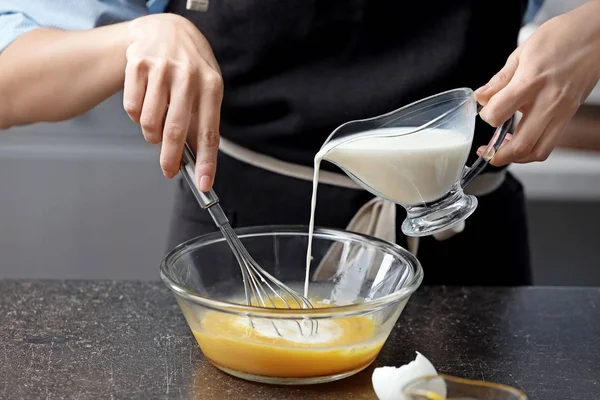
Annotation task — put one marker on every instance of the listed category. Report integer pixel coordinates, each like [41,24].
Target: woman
[292,72]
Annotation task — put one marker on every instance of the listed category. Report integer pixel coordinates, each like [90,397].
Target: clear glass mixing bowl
[360,285]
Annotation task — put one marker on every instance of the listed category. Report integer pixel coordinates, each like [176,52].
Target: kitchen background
[85,198]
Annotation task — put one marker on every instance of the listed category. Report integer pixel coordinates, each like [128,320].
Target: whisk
[260,287]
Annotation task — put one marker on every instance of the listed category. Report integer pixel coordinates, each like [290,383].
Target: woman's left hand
[547,78]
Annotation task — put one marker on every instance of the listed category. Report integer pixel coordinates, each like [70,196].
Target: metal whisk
[260,287]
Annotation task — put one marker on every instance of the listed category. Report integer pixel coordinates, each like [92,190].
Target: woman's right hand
[171,81]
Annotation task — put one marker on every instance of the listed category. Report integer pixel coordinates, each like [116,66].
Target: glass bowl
[358,284]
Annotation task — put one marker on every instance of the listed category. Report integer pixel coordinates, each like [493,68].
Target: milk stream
[409,169]
[311,224]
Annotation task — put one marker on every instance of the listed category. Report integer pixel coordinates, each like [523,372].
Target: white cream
[329,331]
[409,169]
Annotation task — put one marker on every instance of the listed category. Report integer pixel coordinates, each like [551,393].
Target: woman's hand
[547,78]
[172,80]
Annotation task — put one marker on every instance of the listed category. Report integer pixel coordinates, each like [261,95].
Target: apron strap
[283,167]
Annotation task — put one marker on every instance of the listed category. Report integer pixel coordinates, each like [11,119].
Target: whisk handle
[207,200]
[188,166]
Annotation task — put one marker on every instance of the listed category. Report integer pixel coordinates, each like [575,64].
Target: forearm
[52,75]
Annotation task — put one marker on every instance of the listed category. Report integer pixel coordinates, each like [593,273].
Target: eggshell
[388,382]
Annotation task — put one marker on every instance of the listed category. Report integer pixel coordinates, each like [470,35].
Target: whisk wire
[259,285]
[300,301]
[254,271]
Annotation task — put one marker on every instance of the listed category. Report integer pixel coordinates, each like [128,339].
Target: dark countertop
[128,340]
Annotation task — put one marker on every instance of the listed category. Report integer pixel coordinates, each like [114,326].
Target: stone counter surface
[128,340]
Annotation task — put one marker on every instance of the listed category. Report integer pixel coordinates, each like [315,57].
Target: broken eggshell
[388,382]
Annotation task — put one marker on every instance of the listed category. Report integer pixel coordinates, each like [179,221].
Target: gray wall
[86,199]
[82,199]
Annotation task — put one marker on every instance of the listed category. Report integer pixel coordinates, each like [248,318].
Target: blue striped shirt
[21,16]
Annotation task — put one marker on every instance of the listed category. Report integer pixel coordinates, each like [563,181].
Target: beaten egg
[254,347]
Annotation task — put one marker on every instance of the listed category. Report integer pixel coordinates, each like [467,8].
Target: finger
[498,81]
[134,89]
[506,103]
[482,149]
[177,124]
[548,139]
[211,95]
[541,145]
[526,135]
[155,105]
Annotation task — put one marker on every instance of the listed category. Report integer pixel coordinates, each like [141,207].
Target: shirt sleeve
[13,25]
[21,16]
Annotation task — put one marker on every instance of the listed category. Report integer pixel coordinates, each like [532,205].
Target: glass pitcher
[416,157]
[443,387]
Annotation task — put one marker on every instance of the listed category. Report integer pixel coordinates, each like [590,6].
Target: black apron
[294,70]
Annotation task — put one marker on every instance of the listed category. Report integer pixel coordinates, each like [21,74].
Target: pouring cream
[407,167]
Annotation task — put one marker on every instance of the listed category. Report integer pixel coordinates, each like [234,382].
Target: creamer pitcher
[415,157]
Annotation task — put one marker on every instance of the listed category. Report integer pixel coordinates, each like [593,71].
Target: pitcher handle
[489,152]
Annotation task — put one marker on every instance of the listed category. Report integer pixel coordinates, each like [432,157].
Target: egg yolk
[282,348]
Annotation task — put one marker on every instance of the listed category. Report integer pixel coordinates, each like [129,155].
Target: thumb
[500,80]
